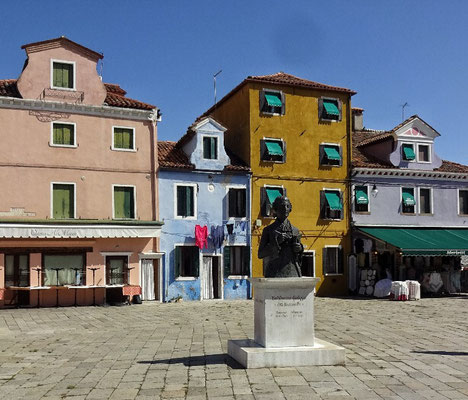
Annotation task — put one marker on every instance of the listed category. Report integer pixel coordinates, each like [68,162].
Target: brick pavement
[395,350]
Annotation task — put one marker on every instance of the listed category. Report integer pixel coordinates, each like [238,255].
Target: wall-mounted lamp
[374,190]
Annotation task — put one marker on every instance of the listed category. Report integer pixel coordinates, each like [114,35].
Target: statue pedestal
[284,327]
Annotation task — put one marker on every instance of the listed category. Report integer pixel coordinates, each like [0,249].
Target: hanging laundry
[217,236]
[201,235]
[230,228]
[243,225]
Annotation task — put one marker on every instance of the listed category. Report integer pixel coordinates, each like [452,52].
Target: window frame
[415,199]
[368,199]
[52,144]
[402,153]
[263,150]
[428,153]
[195,196]
[263,102]
[187,278]
[132,150]
[108,256]
[264,197]
[340,250]
[321,109]
[248,254]
[52,199]
[16,271]
[460,214]
[228,188]
[73,63]
[203,146]
[322,212]
[431,200]
[310,253]
[69,253]
[115,185]
[322,156]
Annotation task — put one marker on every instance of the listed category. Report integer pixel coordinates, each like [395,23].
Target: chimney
[358,123]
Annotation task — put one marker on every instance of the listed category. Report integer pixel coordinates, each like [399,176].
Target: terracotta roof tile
[449,166]
[8,88]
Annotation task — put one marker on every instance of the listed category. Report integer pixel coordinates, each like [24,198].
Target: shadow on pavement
[212,359]
[442,353]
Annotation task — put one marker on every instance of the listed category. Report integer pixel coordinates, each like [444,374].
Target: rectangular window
[123,138]
[63,75]
[331,204]
[63,134]
[463,202]
[186,263]
[273,150]
[16,270]
[185,201]
[423,153]
[408,203]
[237,203]
[272,102]
[268,194]
[332,261]
[330,154]
[308,261]
[63,200]
[236,260]
[329,109]
[425,201]
[117,270]
[408,152]
[64,269]
[124,202]
[361,199]
[210,148]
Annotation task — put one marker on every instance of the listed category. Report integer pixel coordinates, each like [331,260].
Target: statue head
[282,207]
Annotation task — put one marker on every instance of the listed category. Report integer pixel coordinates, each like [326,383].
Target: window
[117,270]
[272,102]
[237,203]
[268,194]
[63,134]
[329,109]
[424,153]
[123,138]
[185,201]
[330,154]
[408,203]
[307,265]
[332,261]
[186,263]
[210,147]
[63,200]
[124,202]
[463,202]
[16,270]
[273,150]
[331,204]
[63,75]
[64,269]
[236,260]
[408,152]
[361,199]
[425,201]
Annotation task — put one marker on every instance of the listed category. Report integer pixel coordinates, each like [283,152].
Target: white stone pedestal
[284,327]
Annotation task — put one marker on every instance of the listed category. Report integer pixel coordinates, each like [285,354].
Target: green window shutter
[213,149]
[64,134]
[58,134]
[68,135]
[331,108]
[332,153]
[361,195]
[63,201]
[190,205]
[177,260]
[273,99]
[57,75]
[333,200]
[408,152]
[123,138]
[181,201]
[408,197]
[124,202]
[206,148]
[272,194]
[227,261]
[62,75]
[274,148]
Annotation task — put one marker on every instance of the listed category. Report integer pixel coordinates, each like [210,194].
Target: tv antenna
[214,83]
[403,111]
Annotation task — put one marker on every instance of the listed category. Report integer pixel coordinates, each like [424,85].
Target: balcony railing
[72,96]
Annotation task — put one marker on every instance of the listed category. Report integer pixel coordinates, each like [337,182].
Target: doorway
[210,278]
[150,279]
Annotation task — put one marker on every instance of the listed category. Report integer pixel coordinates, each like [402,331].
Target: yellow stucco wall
[301,174]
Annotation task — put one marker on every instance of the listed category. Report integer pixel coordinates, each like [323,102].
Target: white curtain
[147,279]
[66,274]
[207,278]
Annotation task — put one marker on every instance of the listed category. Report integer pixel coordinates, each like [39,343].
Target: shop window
[185,201]
[463,202]
[117,270]
[272,102]
[273,150]
[237,203]
[330,155]
[424,154]
[17,270]
[123,138]
[331,204]
[63,200]
[425,201]
[332,261]
[63,76]
[329,109]
[308,263]
[407,152]
[210,147]
[361,199]
[408,203]
[124,202]
[64,269]
[186,263]
[236,260]
[268,194]
[63,134]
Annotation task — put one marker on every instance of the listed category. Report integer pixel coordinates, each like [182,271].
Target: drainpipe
[154,119]
[348,180]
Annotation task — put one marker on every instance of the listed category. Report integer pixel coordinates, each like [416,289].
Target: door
[149,279]
[210,285]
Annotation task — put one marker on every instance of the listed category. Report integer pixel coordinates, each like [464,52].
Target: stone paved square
[395,350]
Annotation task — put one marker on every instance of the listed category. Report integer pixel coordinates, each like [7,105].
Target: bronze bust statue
[280,245]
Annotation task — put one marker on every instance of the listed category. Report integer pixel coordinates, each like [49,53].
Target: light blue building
[201,185]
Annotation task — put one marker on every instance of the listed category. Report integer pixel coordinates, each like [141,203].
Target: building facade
[204,195]
[78,218]
[294,134]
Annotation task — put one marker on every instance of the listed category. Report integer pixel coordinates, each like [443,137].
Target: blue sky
[166,52]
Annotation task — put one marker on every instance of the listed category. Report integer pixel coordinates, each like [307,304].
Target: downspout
[348,182]
[154,119]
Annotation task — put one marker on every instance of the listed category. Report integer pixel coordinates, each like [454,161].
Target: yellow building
[295,136]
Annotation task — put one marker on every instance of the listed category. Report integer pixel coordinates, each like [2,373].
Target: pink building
[78,161]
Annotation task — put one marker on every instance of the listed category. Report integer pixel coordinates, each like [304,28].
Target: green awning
[272,194]
[332,153]
[408,152]
[333,199]
[423,241]
[408,199]
[274,148]
[331,108]
[361,196]
[273,99]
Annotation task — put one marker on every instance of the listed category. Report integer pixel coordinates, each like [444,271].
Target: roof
[115,95]
[61,40]
[172,156]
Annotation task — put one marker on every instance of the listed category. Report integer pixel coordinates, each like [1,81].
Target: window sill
[271,114]
[337,274]
[235,219]
[238,277]
[126,150]
[193,218]
[332,219]
[69,146]
[362,212]
[330,165]
[124,219]
[273,162]
[408,214]
[427,214]
[463,215]
[62,88]
[330,120]
[186,278]
[210,159]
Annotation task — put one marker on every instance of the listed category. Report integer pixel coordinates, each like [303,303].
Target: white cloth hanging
[147,279]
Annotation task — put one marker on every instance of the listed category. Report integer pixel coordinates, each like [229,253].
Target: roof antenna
[214,82]
[403,111]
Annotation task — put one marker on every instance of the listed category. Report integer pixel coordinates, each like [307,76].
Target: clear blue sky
[166,52]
